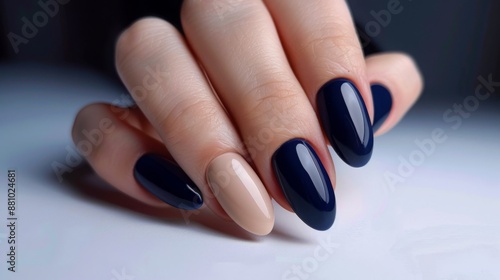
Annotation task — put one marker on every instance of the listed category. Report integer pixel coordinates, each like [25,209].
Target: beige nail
[241,193]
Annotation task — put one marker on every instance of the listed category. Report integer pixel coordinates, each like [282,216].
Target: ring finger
[169,87]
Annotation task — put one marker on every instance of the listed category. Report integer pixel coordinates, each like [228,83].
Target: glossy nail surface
[382,104]
[305,183]
[346,122]
[241,193]
[167,181]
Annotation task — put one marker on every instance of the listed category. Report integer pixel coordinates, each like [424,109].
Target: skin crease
[264,69]
[326,49]
[256,97]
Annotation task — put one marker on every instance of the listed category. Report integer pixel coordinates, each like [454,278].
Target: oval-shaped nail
[241,193]
[305,183]
[167,181]
[345,121]
[382,104]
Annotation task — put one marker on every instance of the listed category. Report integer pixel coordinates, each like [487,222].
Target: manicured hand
[241,109]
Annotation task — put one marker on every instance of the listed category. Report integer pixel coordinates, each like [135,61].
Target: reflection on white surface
[441,222]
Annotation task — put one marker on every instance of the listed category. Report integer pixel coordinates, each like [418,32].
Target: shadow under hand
[84,182]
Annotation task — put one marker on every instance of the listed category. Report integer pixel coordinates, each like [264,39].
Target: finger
[118,152]
[238,45]
[325,53]
[396,85]
[134,117]
[167,84]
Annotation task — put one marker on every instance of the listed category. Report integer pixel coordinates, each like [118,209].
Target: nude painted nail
[241,193]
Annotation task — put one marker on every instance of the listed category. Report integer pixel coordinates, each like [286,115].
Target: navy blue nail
[305,183]
[167,181]
[345,121]
[382,104]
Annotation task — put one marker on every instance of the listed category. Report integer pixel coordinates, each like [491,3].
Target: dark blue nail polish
[346,122]
[167,181]
[305,183]
[382,104]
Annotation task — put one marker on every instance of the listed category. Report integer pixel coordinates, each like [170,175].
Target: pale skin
[219,86]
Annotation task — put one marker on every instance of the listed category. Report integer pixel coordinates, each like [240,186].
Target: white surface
[442,222]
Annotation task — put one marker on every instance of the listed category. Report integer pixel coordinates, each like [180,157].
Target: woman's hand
[245,104]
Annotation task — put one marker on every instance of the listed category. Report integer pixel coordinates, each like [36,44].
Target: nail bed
[345,121]
[305,183]
[167,181]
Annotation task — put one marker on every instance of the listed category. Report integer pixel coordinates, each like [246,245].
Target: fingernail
[382,103]
[167,181]
[241,193]
[305,183]
[346,122]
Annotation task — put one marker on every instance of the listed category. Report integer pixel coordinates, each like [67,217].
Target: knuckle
[269,100]
[337,50]
[142,38]
[334,47]
[270,94]
[196,11]
[332,31]
[188,117]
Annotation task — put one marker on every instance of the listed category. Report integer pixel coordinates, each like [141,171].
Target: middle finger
[239,47]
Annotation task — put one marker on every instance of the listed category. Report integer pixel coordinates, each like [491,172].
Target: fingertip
[396,85]
[382,104]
